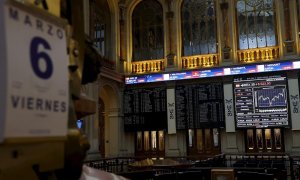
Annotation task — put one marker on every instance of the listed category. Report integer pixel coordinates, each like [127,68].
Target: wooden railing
[200,61]
[259,54]
[149,66]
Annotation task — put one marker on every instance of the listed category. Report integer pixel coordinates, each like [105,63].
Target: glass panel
[198,27]
[199,140]
[153,140]
[208,139]
[146,141]
[161,140]
[191,137]
[250,140]
[277,136]
[270,29]
[251,30]
[216,137]
[256,23]
[147,31]
[268,138]
[139,141]
[259,139]
[261,38]
[99,35]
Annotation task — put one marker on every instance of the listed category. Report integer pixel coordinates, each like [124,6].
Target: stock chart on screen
[261,101]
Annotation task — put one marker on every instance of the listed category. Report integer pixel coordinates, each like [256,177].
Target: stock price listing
[261,102]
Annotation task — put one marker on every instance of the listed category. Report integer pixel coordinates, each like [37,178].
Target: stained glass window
[198,19]
[147,31]
[256,23]
[99,37]
[99,23]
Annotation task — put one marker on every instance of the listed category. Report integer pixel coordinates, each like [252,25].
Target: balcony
[149,66]
[259,54]
[200,61]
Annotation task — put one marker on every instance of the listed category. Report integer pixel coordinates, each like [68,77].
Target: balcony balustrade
[200,61]
[149,66]
[259,54]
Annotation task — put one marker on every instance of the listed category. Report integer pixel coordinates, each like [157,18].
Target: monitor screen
[261,101]
[145,109]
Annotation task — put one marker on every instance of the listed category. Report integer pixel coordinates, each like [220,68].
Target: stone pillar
[113,130]
[229,142]
[170,19]
[226,47]
[289,42]
[172,148]
[229,137]
[91,92]
[294,112]
[123,54]
[86,7]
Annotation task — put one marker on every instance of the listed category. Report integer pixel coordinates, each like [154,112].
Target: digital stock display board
[214,72]
[261,101]
[199,106]
[145,109]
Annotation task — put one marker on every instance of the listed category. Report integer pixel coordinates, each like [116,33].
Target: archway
[108,121]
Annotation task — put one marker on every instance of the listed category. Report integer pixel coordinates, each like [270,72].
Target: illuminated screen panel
[261,101]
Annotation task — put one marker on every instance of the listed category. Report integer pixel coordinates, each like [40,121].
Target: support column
[113,132]
[91,122]
[172,148]
[229,137]
[170,19]
[226,44]
[123,53]
[289,42]
[293,84]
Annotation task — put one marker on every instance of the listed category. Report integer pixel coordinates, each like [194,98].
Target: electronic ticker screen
[261,101]
[145,109]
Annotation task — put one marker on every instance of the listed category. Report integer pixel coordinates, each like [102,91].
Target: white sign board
[171,111]
[229,109]
[294,103]
[35,88]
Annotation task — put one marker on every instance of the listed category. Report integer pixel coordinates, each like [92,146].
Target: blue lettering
[50,30]
[39,104]
[27,21]
[15,101]
[63,106]
[59,33]
[39,24]
[55,106]
[48,104]
[36,56]
[13,14]
[30,103]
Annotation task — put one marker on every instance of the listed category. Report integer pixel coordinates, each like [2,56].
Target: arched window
[147,31]
[256,23]
[100,25]
[198,19]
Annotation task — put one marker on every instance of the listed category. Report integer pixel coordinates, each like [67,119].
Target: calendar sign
[34,74]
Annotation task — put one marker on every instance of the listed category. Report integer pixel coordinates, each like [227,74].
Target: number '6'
[36,56]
